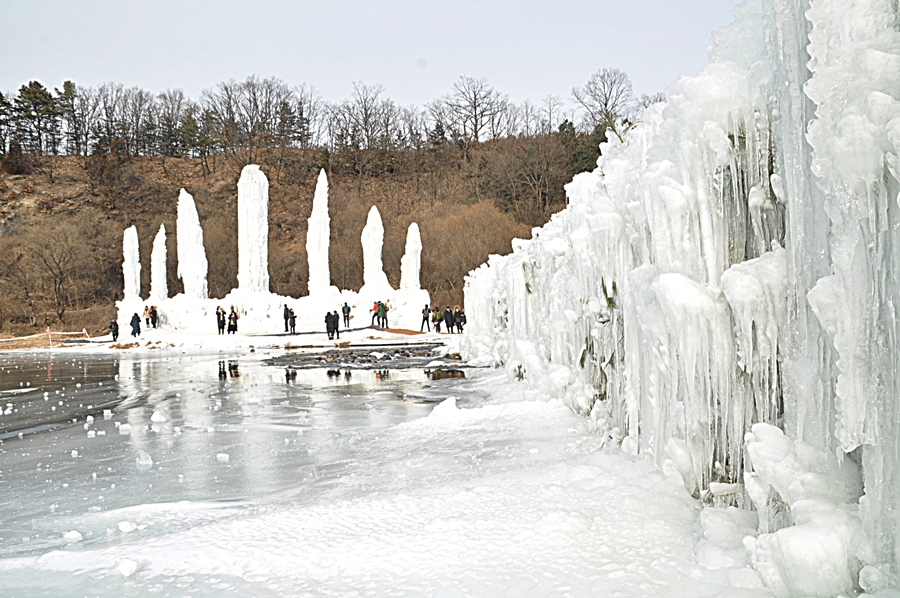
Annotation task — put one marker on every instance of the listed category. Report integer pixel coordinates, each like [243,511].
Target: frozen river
[212,475]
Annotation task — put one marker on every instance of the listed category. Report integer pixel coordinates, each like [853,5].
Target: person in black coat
[448,319]
[328,325]
[114,328]
[220,319]
[232,322]
[287,317]
[135,325]
[336,323]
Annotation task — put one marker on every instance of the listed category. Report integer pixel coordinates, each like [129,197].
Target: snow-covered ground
[258,484]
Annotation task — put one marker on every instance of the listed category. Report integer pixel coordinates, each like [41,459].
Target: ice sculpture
[253,230]
[159,288]
[720,270]
[375,282]
[411,261]
[192,265]
[131,266]
[317,239]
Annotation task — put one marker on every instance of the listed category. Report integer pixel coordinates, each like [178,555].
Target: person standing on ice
[287,316]
[147,315]
[220,319]
[448,319]
[135,325]
[232,321]
[346,311]
[328,325]
[436,318]
[374,312]
[380,314]
[292,318]
[114,329]
[426,315]
[336,322]
[154,316]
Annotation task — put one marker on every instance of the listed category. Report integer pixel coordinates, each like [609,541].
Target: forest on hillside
[78,165]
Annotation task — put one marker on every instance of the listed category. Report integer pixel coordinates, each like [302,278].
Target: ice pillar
[411,262]
[253,230]
[317,239]
[192,263]
[131,267]
[159,288]
[375,282]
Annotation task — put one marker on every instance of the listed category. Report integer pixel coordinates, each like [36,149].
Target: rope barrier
[48,333]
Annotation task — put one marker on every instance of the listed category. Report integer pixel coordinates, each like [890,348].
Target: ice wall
[732,265]
[317,239]
[159,288]
[253,231]
[192,265]
[131,266]
[411,262]
[375,282]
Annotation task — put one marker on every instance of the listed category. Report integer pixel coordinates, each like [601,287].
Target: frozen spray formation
[317,239]
[192,263]
[259,308]
[375,282]
[159,288]
[131,266]
[411,262]
[253,230]
[719,293]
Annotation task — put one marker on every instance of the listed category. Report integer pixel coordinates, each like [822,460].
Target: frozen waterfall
[411,262]
[192,265]
[317,239]
[159,288]
[253,230]
[131,266]
[375,282]
[720,292]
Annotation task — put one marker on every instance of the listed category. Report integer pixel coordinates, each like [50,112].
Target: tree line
[244,117]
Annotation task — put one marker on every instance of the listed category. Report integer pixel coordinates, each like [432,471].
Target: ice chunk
[222,457]
[157,417]
[143,460]
[126,527]
[128,567]
[72,536]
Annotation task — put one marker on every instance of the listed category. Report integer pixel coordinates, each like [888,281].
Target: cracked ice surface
[263,485]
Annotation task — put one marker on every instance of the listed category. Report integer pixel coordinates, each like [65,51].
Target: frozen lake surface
[231,476]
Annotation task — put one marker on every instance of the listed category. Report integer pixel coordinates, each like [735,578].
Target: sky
[415,49]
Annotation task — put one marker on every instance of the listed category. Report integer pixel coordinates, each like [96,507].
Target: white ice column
[375,282]
[253,230]
[317,239]
[131,267]
[192,263]
[159,288]
[411,262]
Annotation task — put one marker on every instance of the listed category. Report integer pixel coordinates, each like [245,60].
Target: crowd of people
[453,320]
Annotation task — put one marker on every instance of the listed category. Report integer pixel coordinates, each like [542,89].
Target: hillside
[63,217]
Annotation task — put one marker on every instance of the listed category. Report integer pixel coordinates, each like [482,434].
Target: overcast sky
[415,49]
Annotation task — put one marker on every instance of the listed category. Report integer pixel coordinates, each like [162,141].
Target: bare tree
[644,102]
[471,111]
[608,99]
